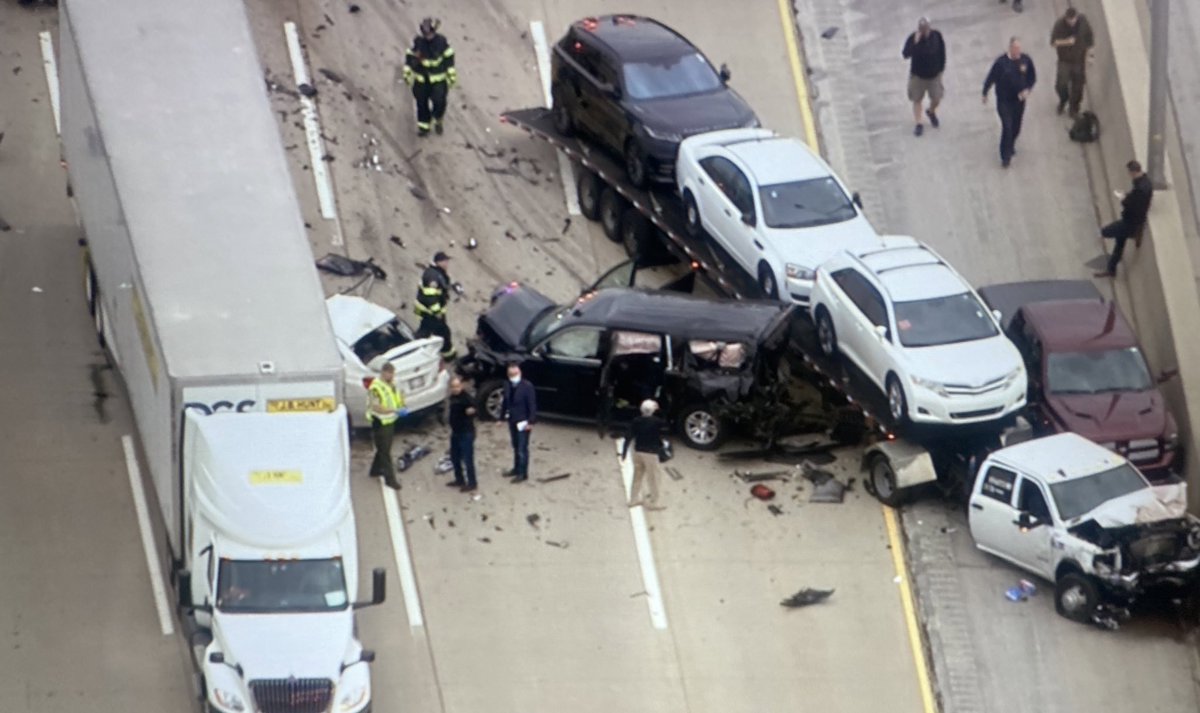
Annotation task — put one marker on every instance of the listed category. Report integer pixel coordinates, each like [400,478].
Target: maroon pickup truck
[1086,370]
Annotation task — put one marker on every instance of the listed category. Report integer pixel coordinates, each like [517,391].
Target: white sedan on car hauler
[771,203]
[916,328]
[369,336]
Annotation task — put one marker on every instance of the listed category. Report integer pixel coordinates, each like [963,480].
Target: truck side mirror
[881,331]
[367,656]
[998,315]
[857,200]
[1026,521]
[724,73]
[378,588]
[218,657]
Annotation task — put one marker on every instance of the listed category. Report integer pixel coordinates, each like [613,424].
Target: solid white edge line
[408,579]
[641,540]
[312,133]
[566,170]
[51,69]
[143,519]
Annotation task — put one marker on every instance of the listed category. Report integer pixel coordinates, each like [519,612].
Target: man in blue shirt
[520,410]
[1013,75]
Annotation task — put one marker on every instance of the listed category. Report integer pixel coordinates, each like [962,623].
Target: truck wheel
[897,401]
[589,188]
[1076,597]
[826,335]
[612,210]
[636,234]
[881,481]
[635,164]
[491,398]
[701,428]
[691,215]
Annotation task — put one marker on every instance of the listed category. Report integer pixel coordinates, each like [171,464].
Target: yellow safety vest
[389,398]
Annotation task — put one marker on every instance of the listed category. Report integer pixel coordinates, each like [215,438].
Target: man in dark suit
[1135,206]
[520,410]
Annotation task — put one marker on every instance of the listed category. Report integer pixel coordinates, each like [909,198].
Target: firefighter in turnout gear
[429,70]
[433,294]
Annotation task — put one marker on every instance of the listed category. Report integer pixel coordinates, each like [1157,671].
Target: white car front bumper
[927,406]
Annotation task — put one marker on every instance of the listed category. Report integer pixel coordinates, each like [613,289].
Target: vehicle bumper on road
[926,406]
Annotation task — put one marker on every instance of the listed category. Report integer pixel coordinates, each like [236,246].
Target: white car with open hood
[917,329]
[772,204]
[369,336]
[1074,513]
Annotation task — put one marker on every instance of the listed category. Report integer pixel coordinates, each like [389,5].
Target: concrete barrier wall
[1156,287]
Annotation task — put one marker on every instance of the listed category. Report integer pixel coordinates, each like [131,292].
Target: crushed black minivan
[598,357]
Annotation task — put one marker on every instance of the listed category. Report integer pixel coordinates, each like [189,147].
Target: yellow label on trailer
[276,477]
[320,403]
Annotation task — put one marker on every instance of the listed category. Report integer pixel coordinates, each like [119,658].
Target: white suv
[916,328]
[771,203]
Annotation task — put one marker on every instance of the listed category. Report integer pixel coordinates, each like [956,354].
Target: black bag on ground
[665,453]
[1086,128]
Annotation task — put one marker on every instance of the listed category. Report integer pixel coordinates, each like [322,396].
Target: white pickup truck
[1082,517]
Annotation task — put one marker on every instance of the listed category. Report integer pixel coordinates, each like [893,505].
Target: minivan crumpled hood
[286,645]
[971,364]
[695,113]
[510,315]
[1115,416]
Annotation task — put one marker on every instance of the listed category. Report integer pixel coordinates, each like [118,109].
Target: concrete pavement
[1035,220]
[78,621]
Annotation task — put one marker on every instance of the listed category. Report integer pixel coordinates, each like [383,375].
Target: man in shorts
[926,51]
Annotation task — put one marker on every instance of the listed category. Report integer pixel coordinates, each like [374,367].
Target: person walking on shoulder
[1135,206]
[520,410]
[386,406]
[926,51]
[646,434]
[1013,75]
[429,70]
[1072,38]
[462,436]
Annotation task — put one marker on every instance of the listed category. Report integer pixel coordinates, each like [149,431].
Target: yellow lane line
[798,75]
[910,610]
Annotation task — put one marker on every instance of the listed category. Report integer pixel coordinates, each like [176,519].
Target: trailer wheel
[612,210]
[881,481]
[637,234]
[701,428]
[635,164]
[691,213]
[491,397]
[589,188]
[1076,597]
[826,335]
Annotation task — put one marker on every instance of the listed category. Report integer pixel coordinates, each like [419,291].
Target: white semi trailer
[201,281]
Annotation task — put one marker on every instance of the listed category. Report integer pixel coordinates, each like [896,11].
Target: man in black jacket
[429,70]
[1135,206]
[462,436]
[646,435]
[520,410]
[1014,76]
[927,51]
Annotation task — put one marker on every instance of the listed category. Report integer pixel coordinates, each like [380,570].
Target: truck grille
[292,695]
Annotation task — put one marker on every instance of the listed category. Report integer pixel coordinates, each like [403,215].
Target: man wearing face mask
[520,410]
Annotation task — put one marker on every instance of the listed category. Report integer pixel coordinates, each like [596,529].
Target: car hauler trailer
[200,280]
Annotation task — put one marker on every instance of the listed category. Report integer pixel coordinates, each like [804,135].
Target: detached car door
[566,372]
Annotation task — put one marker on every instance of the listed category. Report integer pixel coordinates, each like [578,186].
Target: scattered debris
[4,226]
[510,235]
[444,465]
[752,477]
[353,9]
[484,540]
[472,244]
[349,267]
[806,596]
[307,90]
[327,158]
[17,69]
[566,226]
[828,491]
[331,75]
[450,523]
[552,478]
[829,33]
[429,519]
[949,530]
[410,456]
[562,545]
[418,193]
[533,518]
[762,492]
[36,289]
[395,240]
[775,510]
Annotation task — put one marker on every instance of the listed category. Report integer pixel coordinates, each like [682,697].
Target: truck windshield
[248,586]
[1079,496]
[943,320]
[1097,372]
[805,204]
[674,77]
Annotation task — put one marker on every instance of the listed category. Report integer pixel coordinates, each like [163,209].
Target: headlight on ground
[662,135]
[352,699]
[228,699]
[935,386]
[799,272]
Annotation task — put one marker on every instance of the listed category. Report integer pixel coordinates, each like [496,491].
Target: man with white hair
[646,433]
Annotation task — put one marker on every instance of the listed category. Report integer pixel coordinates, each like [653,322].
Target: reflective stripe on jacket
[430,60]
[388,397]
